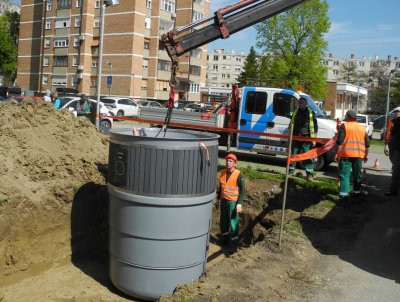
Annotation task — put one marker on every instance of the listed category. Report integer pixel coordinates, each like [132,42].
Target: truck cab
[269,110]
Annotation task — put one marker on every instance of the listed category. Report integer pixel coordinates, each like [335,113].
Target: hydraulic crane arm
[240,15]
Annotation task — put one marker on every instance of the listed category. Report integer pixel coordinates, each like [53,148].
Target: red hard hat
[231,156]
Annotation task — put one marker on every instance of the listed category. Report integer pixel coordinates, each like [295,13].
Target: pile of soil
[46,157]
[53,222]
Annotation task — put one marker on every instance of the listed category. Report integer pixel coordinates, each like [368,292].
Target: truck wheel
[106,124]
[120,113]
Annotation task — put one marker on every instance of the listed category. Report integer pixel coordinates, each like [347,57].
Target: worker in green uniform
[305,124]
[229,199]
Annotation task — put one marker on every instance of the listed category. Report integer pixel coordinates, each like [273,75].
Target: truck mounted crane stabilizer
[254,11]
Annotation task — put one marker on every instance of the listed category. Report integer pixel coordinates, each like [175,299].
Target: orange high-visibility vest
[354,141]
[388,129]
[229,187]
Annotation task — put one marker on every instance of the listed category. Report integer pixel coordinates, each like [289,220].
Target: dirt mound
[46,158]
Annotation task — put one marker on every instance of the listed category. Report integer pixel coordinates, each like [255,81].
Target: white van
[269,110]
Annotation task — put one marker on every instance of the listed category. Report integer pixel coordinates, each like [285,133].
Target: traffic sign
[109,81]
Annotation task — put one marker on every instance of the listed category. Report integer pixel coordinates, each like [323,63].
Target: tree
[9,28]
[249,74]
[294,39]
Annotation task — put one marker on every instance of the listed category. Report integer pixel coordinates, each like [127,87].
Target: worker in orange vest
[353,150]
[229,199]
[389,141]
[394,155]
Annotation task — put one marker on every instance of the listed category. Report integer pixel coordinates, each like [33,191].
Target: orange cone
[376,166]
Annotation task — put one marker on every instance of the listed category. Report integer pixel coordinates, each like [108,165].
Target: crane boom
[243,14]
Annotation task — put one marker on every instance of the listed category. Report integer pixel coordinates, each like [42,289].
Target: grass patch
[376,142]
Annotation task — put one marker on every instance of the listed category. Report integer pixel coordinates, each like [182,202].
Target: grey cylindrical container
[161,188]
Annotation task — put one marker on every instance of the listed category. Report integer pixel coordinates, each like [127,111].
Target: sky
[361,27]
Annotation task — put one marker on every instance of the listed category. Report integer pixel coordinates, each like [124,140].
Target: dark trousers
[395,181]
[302,147]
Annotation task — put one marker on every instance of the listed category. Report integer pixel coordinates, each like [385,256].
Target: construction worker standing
[305,124]
[353,150]
[395,157]
[389,140]
[230,197]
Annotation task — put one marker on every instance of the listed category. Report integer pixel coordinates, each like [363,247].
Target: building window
[49,5]
[97,4]
[61,42]
[78,3]
[46,42]
[238,59]
[63,23]
[94,63]
[215,67]
[78,21]
[75,60]
[215,58]
[194,88]
[145,64]
[61,61]
[223,76]
[213,77]
[46,60]
[93,83]
[361,63]
[325,62]
[45,79]
[148,4]
[162,85]
[164,65]
[97,22]
[168,5]
[335,63]
[63,4]
[77,41]
[335,72]
[48,24]
[147,23]
[196,16]
[194,70]
[59,80]
[237,68]
[146,45]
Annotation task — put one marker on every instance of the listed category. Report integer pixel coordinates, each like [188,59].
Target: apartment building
[223,68]
[59,47]
[364,64]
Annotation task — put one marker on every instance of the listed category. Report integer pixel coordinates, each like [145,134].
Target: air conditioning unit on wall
[80,67]
[80,75]
[173,16]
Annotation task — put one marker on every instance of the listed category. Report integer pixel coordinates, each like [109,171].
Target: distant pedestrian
[353,150]
[83,107]
[47,96]
[55,100]
[389,141]
[395,158]
[230,196]
[305,124]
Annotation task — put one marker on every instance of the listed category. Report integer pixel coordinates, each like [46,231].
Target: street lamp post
[100,61]
[388,96]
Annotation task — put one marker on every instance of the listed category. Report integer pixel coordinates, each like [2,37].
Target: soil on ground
[54,222]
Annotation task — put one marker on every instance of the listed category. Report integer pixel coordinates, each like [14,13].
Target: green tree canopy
[249,74]
[295,44]
[9,24]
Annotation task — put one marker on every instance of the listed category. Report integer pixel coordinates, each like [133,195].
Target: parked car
[9,91]
[120,106]
[197,107]
[106,121]
[150,104]
[367,123]
[66,91]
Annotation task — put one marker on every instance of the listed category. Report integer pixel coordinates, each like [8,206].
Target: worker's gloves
[386,150]
[239,208]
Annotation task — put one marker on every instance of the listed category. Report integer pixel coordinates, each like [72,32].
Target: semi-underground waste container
[161,188]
